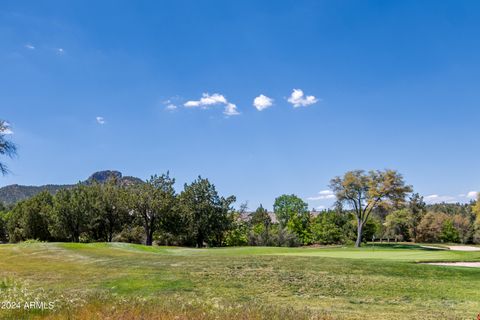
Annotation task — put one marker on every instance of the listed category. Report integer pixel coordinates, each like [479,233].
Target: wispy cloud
[207,101]
[435,198]
[322,195]
[299,99]
[60,51]
[171,107]
[30,46]
[100,120]
[262,102]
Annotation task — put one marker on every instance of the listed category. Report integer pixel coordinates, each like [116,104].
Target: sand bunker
[464,248]
[456,264]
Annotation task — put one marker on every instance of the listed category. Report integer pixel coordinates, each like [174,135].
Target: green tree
[72,212]
[366,191]
[111,209]
[31,218]
[326,230]
[292,213]
[260,216]
[207,215]
[397,224]
[152,202]
[417,208]
[7,148]
[464,227]
[3,223]
[449,233]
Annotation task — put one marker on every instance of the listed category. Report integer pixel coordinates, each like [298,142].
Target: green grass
[124,281]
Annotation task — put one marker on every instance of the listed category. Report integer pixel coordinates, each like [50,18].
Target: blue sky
[149,86]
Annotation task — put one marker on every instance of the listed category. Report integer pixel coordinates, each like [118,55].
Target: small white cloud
[262,102]
[100,120]
[298,99]
[472,194]
[29,46]
[171,107]
[231,110]
[207,100]
[320,208]
[323,195]
[215,99]
[6,129]
[60,51]
[435,198]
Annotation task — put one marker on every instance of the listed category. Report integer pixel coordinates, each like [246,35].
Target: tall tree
[72,211]
[111,205]
[366,191]
[207,214]
[418,209]
[260,216]
[31,218]
[7,148]
[151,203]
[292,212]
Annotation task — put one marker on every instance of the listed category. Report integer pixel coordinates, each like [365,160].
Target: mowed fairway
[124,281]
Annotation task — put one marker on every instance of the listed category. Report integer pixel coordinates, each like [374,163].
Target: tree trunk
[199,241]
[358,243]
[149,239]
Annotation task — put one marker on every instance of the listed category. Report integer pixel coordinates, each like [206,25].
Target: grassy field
[124,281]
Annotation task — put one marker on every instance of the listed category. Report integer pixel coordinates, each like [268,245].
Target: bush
[430,227]
[325,231]
[130,234]
[449,233]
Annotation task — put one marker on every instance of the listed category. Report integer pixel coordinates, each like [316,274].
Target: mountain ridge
[14,193]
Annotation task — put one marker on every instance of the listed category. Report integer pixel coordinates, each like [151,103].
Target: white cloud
[231,110]
[171,107]
[262,102]
[208,100]
[435,198]
[100,120]
[323,195]
[29,46]
[298,99]
[60,51]
[472,194]
[320,208]
[6,129]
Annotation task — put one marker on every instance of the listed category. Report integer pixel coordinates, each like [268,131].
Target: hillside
[14,193]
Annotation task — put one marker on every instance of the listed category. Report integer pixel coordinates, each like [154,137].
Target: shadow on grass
[399,246]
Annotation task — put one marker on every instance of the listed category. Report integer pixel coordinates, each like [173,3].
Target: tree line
[369,206]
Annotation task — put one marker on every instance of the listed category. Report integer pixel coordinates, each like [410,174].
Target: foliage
[151,203]
[328,227]
[397,224]
[417,208]
[7,148]
[430,227]
[30,219]
[366,191]
[207,215]
[449,233]
[292,213]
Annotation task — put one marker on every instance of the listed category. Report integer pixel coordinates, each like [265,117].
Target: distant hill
[14,193]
